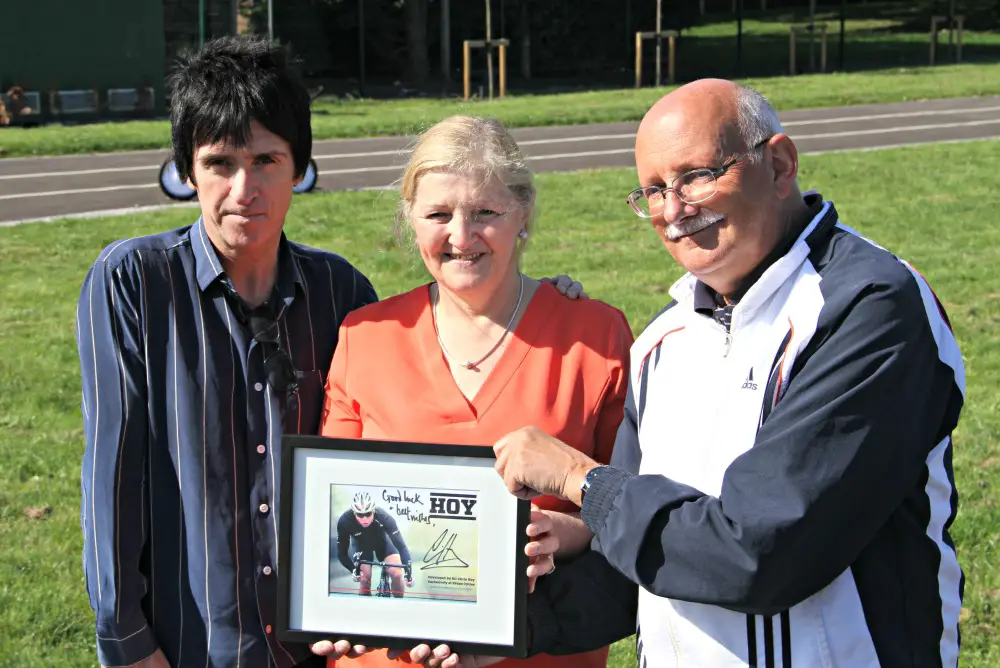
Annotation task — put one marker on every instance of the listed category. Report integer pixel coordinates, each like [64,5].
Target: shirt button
[267,570]
[261,449]
[258,387]
[263,508]
[267,629]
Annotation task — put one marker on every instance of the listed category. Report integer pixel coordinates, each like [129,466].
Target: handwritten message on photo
[404,542]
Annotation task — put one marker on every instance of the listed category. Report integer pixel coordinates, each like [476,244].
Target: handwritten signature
[442,554]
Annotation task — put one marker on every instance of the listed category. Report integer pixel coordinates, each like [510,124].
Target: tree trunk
[416,39]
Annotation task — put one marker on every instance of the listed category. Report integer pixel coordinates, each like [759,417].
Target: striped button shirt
[180,469]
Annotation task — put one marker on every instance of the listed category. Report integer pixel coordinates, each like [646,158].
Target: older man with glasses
[781,488]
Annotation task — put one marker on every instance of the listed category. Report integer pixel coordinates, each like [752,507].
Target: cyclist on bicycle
[367,533]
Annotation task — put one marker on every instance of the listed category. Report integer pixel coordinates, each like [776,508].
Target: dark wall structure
[389,48]
[50,45]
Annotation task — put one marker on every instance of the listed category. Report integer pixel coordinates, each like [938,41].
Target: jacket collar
[774,270]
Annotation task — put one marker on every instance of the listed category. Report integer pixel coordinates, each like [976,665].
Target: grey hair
[756,120]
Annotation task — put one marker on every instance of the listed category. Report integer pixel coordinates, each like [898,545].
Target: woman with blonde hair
[482,349]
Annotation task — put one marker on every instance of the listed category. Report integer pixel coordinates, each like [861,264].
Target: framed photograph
[392,544]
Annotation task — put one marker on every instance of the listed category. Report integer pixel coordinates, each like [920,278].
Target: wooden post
[466,76]
[670,63]
[671,36]
[503,68]
[792,43]
[489,45]
[638,59]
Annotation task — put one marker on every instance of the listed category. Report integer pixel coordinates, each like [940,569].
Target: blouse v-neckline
[439,373]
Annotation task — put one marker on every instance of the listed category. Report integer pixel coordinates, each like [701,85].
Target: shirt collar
[208,264]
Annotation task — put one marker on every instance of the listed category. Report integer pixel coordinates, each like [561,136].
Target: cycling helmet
[362,503]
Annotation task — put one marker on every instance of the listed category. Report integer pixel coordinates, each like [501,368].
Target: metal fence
[384,47]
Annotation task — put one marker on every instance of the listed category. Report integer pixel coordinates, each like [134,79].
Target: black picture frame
[291,444]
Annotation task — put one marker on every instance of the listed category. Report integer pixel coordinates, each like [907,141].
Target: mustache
[689,226]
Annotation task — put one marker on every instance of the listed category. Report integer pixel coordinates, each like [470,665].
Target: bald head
[705,98]
[735,116]
[719,147]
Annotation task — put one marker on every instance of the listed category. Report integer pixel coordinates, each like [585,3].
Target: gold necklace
[468,364]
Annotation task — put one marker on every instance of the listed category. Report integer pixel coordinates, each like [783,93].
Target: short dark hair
[217,91]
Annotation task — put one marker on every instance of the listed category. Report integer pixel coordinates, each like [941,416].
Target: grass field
[934,205]
[366,118]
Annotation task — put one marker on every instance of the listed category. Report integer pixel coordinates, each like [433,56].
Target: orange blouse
[565,371]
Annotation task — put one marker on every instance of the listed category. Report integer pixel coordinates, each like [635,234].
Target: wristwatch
[587,480]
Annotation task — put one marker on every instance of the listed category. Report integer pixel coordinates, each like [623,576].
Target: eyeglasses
[363,516]
[690,187]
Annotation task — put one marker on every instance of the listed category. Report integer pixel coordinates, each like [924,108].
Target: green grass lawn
[934,205]
[367,118]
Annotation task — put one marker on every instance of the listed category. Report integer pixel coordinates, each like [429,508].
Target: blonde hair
[471,146]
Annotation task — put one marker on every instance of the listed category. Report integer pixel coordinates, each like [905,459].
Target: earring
[523,234]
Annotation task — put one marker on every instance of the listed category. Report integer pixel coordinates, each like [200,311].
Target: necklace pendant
[470,365]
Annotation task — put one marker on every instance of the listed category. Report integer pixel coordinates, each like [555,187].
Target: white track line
[883,147]
[131,210]
[581,154]
[99,214]
[80,191]
[78,172]
[880,131]
[876,117]
[140,209]
[402,152]
[578,154]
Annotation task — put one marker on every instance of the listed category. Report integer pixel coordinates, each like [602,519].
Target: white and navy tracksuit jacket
[781,492]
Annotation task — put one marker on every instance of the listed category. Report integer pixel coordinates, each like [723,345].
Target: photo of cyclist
[366,533]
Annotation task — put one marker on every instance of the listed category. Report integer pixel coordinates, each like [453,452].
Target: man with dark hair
[199,347]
